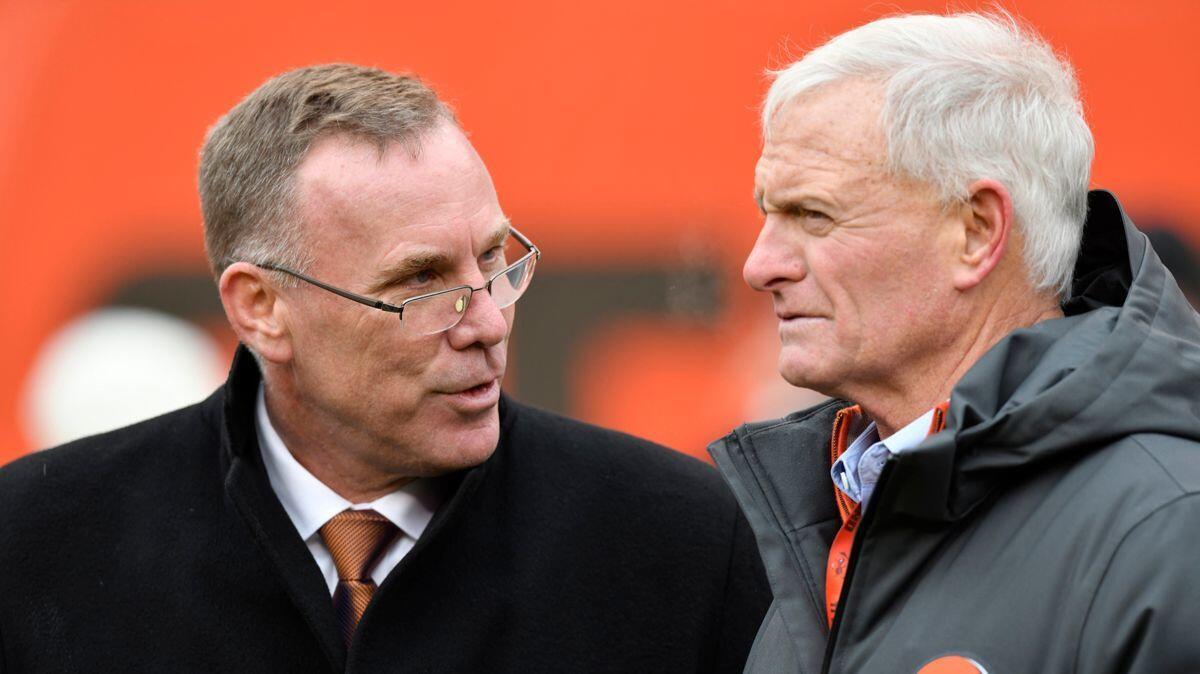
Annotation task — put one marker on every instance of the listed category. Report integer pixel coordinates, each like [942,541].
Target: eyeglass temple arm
[525,242]
[369,301]
[380,304]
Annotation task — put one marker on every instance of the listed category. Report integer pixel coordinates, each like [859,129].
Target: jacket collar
[238,438]
[779,474]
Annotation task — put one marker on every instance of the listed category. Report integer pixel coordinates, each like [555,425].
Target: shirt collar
[309,503]
[846,471]
[911,435]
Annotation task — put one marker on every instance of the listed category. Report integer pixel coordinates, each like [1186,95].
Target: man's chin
[468,453]
[803,374]
[467,443]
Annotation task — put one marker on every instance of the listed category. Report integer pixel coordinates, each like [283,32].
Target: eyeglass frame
[399,308]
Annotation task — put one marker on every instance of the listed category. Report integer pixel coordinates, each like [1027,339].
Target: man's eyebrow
[499,235]
[407,266]
[793,202]
[761,199]
[431,259]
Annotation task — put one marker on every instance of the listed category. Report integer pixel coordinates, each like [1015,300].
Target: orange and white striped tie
[356,539]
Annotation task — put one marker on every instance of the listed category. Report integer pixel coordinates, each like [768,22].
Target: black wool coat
[161,548]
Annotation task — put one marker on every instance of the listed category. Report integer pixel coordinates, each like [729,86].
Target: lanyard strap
[843,542]
[839,561]
[851,512]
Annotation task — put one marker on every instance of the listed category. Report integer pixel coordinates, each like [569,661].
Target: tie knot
[355,539]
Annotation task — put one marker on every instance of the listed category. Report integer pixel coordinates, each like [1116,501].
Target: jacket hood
[1124,360]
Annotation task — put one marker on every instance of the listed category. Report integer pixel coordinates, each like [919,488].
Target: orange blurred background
[621,136]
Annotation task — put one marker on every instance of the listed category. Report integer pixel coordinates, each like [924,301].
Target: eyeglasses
[441,310]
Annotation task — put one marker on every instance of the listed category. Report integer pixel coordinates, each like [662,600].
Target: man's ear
[987,222]
[256,311]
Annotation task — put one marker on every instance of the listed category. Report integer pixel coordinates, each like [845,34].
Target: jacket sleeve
[1145,611]
[747,596]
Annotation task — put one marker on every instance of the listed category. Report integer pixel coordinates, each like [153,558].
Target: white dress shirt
[310,504]
[857,470]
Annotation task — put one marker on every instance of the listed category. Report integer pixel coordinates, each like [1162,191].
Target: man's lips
[477,387]
[793,324]
[478,390]
[474,399]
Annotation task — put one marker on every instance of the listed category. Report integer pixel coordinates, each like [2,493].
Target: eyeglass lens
[430,315]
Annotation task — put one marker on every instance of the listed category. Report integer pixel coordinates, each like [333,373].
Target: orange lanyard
[839,552]
[839,561]
[851,512]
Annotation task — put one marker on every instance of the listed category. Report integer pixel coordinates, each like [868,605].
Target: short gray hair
[971,96]
[250,156]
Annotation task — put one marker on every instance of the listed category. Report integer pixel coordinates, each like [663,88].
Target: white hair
[971,96]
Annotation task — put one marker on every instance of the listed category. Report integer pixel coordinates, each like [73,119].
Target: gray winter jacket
[1053,526]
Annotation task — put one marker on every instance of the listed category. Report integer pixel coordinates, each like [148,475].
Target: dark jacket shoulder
[146,460]
[615,461]
[629,513]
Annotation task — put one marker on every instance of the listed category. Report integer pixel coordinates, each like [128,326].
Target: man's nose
[774,260]
[483,323]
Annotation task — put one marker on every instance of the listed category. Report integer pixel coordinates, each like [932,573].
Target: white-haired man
[1008,477]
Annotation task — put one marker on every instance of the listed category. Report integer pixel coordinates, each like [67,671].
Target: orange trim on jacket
[843,542]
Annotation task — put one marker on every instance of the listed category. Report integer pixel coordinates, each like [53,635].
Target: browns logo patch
[952,664]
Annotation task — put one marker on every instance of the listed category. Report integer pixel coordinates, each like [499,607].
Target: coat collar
[249,490]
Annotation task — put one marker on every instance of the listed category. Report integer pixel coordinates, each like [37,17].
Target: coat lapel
[255,502]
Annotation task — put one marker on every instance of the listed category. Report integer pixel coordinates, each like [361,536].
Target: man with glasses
[361,495]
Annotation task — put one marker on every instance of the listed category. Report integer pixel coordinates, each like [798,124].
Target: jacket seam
[1108,567]
[801,561]
[740,447]
[810,576]
[764,488]
[788,528]
[801,527]
[1183,490]
[833,402]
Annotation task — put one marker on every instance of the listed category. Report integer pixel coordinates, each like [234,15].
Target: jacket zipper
[835,443]
[855,550]
[938,423]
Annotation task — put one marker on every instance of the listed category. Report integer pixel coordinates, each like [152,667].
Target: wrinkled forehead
[836,126]
[355,182]
[368,214]
[344,169]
